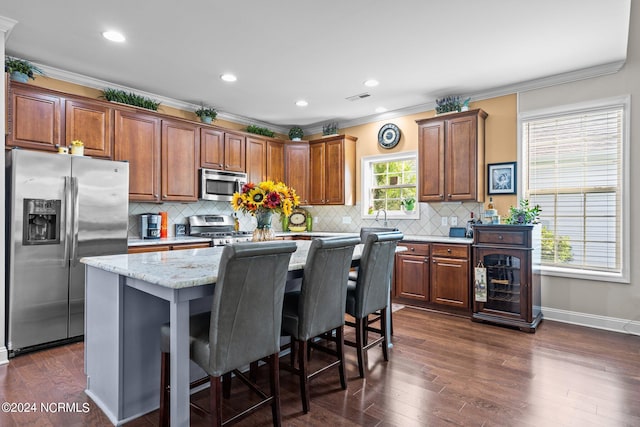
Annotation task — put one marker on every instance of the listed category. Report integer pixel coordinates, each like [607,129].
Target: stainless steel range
[220,228]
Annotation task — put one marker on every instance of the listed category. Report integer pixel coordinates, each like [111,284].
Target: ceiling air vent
[359,96]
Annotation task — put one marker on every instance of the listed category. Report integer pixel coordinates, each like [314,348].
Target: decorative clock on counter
[388,136]
[298,220]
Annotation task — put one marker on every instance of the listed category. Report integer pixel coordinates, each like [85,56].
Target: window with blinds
[574,171]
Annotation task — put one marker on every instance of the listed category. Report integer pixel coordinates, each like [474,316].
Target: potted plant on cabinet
[330,129]
[21,70]
[408,203]
[206,114]
[296,133]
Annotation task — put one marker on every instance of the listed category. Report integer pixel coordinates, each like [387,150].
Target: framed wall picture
[502,178]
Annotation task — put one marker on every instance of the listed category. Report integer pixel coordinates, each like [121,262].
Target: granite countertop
[136,241]
[407,237]
[182,269]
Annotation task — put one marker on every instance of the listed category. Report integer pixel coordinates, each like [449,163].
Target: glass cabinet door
[503,282]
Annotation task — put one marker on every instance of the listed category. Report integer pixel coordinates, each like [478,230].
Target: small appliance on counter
[150,226]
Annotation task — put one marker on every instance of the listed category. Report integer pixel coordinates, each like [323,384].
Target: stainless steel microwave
[220,185]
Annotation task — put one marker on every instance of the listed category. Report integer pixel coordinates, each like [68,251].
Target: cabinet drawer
[500,237]
[454,251]
[415,248]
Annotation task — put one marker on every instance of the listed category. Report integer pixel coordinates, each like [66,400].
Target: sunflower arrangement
[267,196]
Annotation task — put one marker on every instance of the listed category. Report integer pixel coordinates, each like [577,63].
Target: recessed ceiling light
[371,83]
[302,103]
[381,110]
[113,36]
[228,77]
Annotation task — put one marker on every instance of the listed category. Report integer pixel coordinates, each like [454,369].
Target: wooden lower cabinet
[450,275]
[412,272]
[433,275]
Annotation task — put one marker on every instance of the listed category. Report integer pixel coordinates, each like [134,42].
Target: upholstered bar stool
[318,307]
[369,294]
[242,327]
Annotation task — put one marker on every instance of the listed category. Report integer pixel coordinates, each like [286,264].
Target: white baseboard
[614,324]
[4,355]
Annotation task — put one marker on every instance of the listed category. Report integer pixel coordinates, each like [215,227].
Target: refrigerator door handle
[76,214]
[67,221]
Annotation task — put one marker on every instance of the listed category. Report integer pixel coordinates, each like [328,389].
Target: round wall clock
[388,136]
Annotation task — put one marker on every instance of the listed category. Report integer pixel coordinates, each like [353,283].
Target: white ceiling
[320,51]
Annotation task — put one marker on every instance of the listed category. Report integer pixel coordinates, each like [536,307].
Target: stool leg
[304,378]
[274,381]
[215,396]
[383,331]
[164,390]
[360,345]
[226,385]
[340,351]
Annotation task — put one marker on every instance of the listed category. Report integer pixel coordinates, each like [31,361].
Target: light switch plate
[346,220]
[443,221]
[453,220]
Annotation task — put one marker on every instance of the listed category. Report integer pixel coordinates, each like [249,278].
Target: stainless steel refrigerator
[59,208]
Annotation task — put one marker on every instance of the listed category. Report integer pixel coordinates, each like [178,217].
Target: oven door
[220,185]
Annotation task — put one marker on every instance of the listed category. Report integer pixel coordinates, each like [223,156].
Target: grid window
[388,180]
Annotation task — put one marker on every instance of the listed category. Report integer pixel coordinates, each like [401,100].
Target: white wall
[602,304]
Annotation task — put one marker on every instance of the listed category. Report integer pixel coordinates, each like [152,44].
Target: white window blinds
[574,172]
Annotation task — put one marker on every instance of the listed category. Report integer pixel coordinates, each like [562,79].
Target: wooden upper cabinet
[296,165]
[332,170]
[234,152]
[35,118]
[137,140]
[431,160]
[317,173]
[275,160]
[211,148]
[91,123]
[180,158]
[222,150]
[451,157]
[256,155]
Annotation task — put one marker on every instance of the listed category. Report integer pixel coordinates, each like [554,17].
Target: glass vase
[263,230]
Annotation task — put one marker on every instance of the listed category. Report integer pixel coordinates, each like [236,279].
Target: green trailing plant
[206,112]
[260,131]
[129,98]
[330,128]
[523,214]
[448,104]
[12,65]
[296,132]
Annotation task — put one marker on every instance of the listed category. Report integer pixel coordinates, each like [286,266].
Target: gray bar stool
[242,327]
[318,308]
[369,294]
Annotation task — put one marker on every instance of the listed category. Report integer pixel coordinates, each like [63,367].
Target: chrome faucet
[385,216]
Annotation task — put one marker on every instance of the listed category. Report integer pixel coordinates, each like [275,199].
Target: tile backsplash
[329,218]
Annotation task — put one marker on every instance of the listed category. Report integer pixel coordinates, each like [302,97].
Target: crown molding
[557,79]
[572,76]
[6,25]
[94,83]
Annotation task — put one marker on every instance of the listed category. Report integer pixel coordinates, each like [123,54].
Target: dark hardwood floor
[443,371]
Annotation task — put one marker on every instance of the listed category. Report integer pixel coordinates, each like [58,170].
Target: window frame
[623,276]
[366,183]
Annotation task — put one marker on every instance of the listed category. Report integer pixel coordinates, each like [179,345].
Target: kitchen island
[128,298]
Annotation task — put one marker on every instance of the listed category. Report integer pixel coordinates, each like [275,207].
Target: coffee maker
[150,226]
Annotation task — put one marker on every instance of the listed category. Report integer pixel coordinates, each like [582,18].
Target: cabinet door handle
[448,250]
[426,259]
[441,196]
[449,196]
[155,196]
[412,249]
[500,237]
